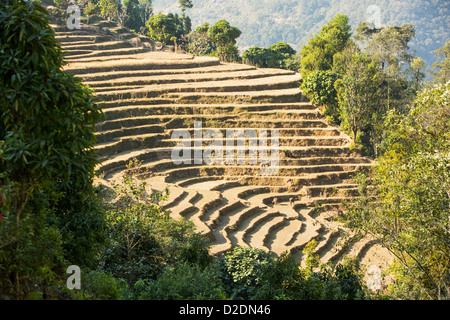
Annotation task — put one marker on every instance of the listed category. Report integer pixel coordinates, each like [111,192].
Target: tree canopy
[319,52]
[224,36]
[405,198]
[46,152]
[161,28]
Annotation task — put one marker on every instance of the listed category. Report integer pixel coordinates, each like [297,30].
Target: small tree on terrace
[358,93]
[161,28]
[441,68]
[224,36]
[199,44]
[90,9]
[319,87]
[145,12]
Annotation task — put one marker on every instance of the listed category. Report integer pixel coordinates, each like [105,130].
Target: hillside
[146,95]
[265,22]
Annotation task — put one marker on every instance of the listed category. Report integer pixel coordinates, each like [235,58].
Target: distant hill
[265,22]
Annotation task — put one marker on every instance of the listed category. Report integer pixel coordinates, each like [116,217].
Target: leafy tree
[145,11]
[199,44]
[182,24]
[261,57]
[185,4]
[62,4]
[343,59]
[442,65]
[143,239]
[228,53]
[283,48]
[169,28]
[293,62]
[319,52]
[109,8]
[358,93]
[224,36]
[312,259]
[340,282]
[132,9]
[46,152]
[222,33]
[183,282]
[389,48]
[161,28]
[404,200]
[250,273]
[99,285]
[203,28]
[90,9]
[417,74]
[320,89]
[243,270]
[365,32]
[273,57]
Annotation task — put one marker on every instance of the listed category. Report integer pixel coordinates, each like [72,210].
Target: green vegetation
[265,22]
[381,95]
[224,36]
[125,244]
[109,9]
[161,28]
[218,40]
[405,198]
[138,12]
[319,52]
[442,66]
[360,83]
[277,56]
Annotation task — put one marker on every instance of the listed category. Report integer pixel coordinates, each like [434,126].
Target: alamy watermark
[374,279]
[373,16]
[74,280]
[192,149]
[74,12]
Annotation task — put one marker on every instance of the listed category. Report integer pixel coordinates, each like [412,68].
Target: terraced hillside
[148,94]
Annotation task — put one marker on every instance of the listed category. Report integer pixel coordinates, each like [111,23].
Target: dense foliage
[405,198]
[276,56]
[52,216]
[318,54]
[320,88]
[46,156]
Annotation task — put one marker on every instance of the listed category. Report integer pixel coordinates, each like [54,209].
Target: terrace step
[140,64]
[107,45]
[169,79]
[102,55]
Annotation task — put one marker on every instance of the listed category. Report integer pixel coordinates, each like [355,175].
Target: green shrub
[97,285]
[184,282]
[319,88]
[143,239]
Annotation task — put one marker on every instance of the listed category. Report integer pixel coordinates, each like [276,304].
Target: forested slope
[265,22]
